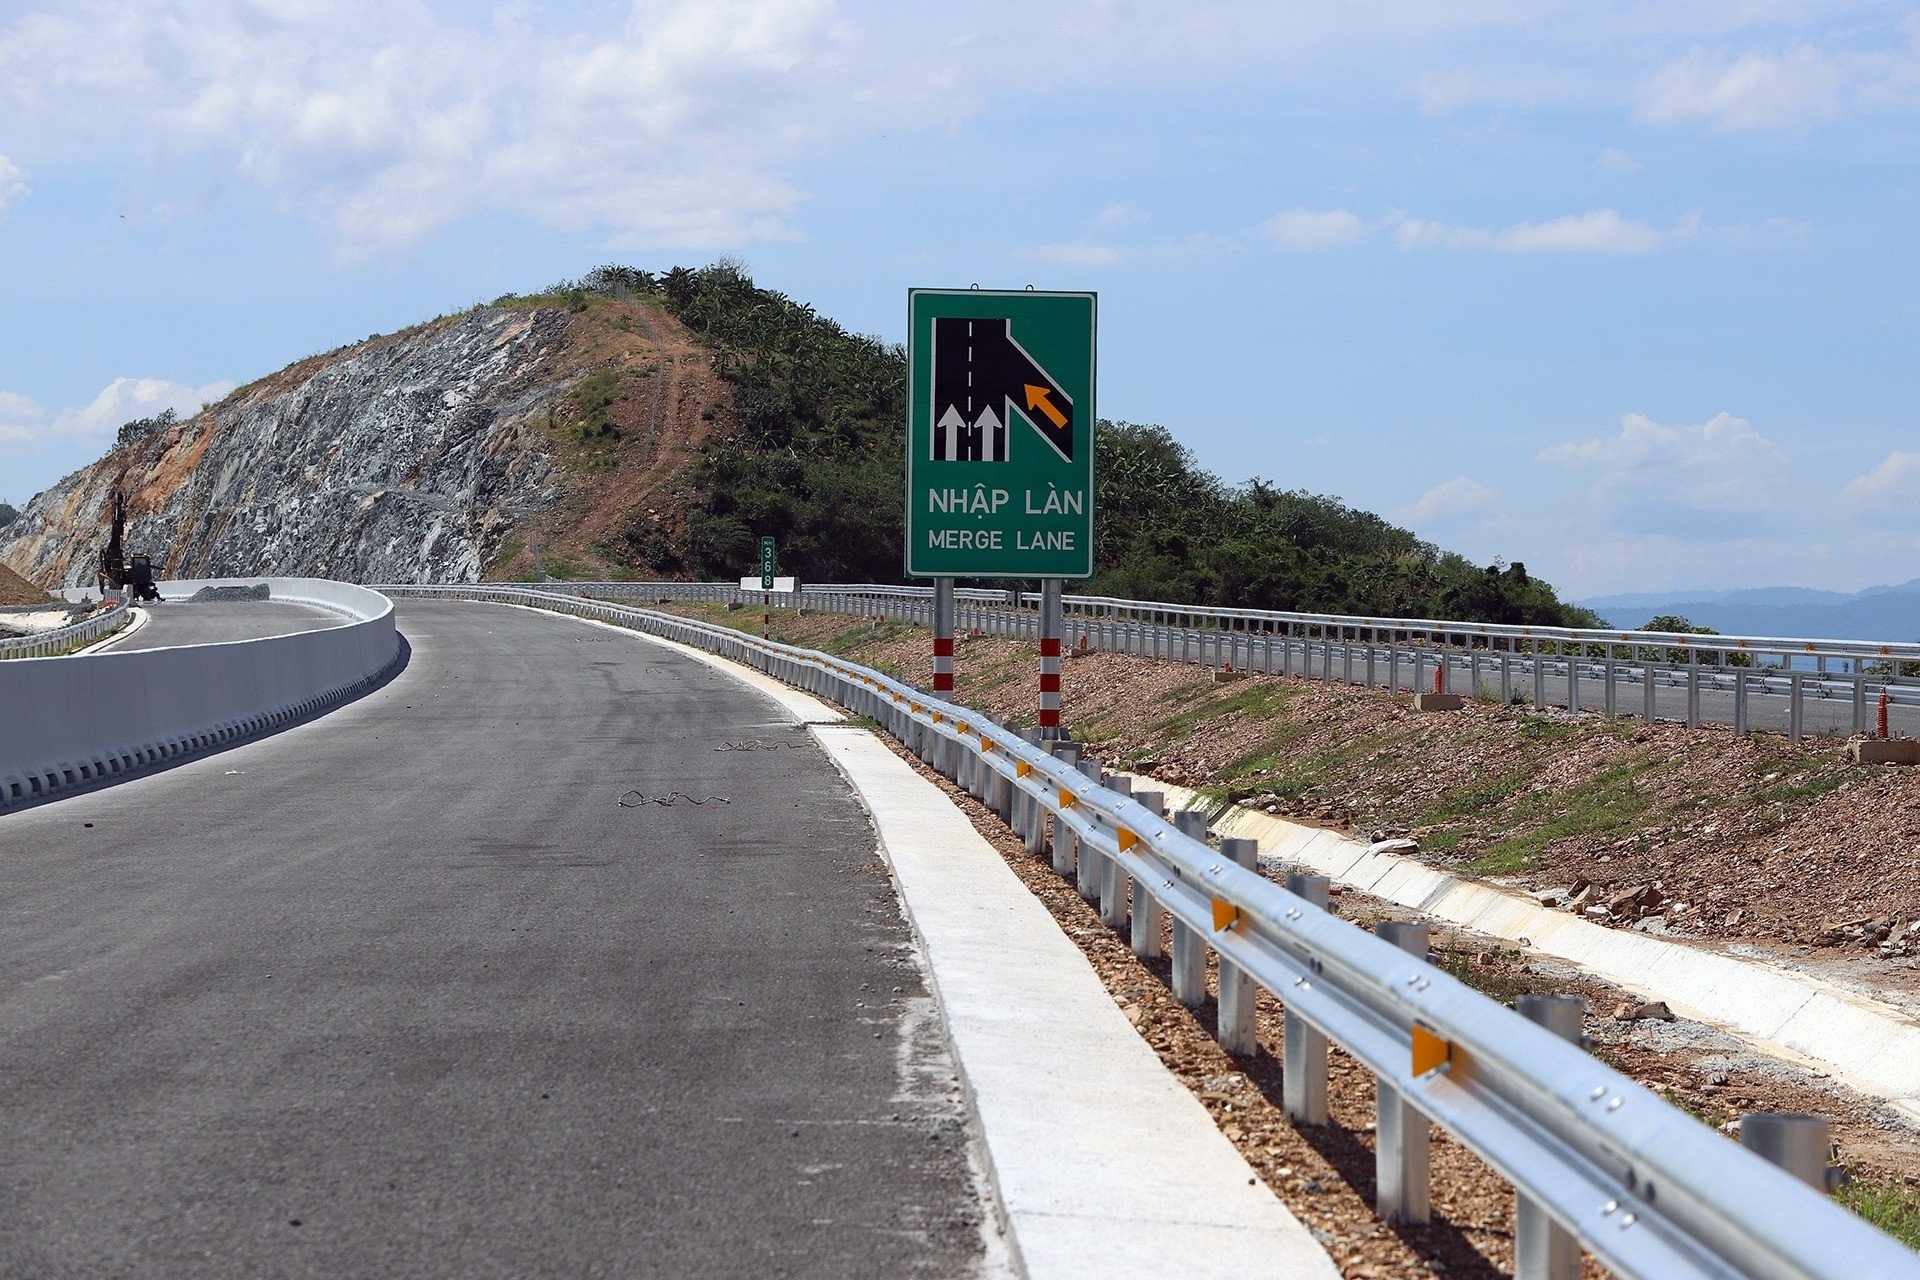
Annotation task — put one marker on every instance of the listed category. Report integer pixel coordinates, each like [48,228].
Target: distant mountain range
[1877,613]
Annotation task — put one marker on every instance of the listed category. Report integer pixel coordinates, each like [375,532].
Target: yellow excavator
[120,571]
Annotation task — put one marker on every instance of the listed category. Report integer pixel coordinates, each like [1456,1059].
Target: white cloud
[1078,253]
[1613,160]
[13,185]
[1424,233]
[665,122]
[1655,476]
[1596,231]
[1309,229]
[24,423]
[1886,494]
[1460,496]
[1753,91]
[1117,215]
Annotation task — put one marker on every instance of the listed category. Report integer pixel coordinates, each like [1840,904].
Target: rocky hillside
[532,430]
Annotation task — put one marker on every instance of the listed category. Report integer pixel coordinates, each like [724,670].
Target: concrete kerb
[1065,1092]
[136,619]
[1871,1046]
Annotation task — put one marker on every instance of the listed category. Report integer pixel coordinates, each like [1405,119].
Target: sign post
[766,588]
[943,635]
[1000,414]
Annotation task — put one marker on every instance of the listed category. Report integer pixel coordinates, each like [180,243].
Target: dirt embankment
[1752,839]
[15,589]
[627,481]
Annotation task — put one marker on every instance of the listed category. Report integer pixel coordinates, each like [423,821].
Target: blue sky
[1626,291]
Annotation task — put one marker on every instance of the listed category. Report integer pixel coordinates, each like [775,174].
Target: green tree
[142,428]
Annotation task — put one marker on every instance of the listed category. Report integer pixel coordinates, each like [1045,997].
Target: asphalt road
[176,622]
[406,991]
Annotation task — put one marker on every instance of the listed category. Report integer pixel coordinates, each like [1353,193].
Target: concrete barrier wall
[69,722]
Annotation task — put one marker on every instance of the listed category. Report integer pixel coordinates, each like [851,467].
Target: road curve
[176,622]
[407,991]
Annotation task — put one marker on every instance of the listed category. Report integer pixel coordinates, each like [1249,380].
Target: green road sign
[766,564]
[999,434]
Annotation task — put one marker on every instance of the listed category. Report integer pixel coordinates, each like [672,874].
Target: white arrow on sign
[984,440]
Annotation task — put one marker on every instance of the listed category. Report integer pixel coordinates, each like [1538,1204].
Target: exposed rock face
[401,459]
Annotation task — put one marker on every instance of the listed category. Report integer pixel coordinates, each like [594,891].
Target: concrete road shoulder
[1103,1163]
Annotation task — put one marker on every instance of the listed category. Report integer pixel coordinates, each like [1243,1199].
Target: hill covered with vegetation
[813,457]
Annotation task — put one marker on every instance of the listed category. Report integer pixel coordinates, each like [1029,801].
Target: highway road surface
[433,986]
[177,622]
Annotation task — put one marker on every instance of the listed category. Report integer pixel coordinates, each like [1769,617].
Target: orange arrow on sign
[1037,399]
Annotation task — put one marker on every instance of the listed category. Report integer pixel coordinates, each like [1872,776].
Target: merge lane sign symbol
[1000,422]
[982,379]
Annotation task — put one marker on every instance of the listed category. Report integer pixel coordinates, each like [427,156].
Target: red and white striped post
[1881,727]
[943,635]
[1052,628]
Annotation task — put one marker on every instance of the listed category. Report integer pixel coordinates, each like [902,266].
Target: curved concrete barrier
[70,722]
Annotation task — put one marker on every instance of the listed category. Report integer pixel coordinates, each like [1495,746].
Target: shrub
[143,428]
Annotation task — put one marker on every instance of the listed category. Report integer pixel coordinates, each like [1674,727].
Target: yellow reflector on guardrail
[1225,915]
[1021,768]
[1430,1052]
[1126,839]
[1067,798]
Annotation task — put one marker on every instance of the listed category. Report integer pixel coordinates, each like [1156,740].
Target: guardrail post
[1796,705]
[1147,911]
[1859,700]
[1539,677]
[1542,1249]
[1189,947]
[1085,858]
[1609,691]
[1800,1144]
[1739,703]
[1067,753]
[1000,786]
[1033,817]
[1647,690]
[1402,1171]
[1573,678]
[1066,845]
[1233,1023]
[1303,1078]
[1115,882]
[1693,693]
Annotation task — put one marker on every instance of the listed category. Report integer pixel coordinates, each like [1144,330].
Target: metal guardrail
[1599,1162]
[65,639]
[1683,678]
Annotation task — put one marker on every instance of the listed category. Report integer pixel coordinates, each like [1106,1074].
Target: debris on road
[228,595]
